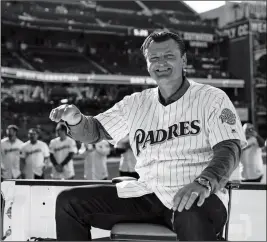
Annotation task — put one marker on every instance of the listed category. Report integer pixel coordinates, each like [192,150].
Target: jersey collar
[177,95]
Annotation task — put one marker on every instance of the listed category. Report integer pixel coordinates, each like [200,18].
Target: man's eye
[153,59]
[169,56]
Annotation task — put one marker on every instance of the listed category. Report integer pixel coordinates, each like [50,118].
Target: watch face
[204,181]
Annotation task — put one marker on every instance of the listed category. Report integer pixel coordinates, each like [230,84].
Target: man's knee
[64,200]
[193,224]
[187,218]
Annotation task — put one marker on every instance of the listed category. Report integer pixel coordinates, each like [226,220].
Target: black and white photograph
[133,120]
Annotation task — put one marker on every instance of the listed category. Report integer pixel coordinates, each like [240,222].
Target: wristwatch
[204,182]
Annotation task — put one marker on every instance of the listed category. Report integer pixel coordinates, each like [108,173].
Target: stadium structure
[88,53]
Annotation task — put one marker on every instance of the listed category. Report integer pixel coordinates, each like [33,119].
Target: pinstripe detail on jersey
[172,143]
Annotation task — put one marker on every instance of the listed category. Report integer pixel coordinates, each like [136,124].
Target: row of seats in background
[98,57]
[131,13]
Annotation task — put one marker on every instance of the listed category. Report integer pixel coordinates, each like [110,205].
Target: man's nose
[162,60]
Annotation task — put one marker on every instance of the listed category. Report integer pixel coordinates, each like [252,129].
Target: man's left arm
[225,160]
[227,139]
[73,150]
[67,159]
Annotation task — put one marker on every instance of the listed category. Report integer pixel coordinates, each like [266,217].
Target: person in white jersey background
[10,152]
[85,153]
[187,139]
[95,161]
[34,156]
[127,160]
[251,166]
[62,150]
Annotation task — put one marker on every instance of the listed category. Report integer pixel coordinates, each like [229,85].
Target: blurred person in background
[85,152]
[251,167]
[34,156]
[95,161]
[10,154]
[62,150]
[128,160]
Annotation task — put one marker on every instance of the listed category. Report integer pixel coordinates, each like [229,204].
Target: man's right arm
[53,160]
[89,130]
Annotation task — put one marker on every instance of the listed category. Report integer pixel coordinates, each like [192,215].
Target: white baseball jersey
[173,143]
[10,153]
[96,162]
[34,155]
[127,161]
[60,149]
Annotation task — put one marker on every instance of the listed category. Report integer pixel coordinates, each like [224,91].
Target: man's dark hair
[62,126]
[33,130]
[14,127]
[163,35]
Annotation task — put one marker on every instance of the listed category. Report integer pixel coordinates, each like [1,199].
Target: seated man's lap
[100,206]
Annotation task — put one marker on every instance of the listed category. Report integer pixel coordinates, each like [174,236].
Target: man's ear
[184,59]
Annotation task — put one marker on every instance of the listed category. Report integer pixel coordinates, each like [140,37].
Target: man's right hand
[68,113]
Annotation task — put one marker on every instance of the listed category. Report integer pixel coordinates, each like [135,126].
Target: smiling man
[187,139]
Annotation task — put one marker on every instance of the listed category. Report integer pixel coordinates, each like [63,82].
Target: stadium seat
[145,231]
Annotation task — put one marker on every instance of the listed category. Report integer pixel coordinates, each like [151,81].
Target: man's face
[249,130]
[60,132]
[11,133]
[33,136]
[164,62]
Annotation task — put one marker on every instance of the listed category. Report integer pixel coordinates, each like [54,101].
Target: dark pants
[131,174]
[38,177]
[79,208]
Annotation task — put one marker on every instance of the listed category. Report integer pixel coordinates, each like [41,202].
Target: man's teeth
[163,70]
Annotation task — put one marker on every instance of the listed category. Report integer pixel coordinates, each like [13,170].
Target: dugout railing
[121,231]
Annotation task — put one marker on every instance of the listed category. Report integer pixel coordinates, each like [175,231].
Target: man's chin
[164,78]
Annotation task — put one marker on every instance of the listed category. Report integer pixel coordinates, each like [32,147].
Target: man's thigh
[100,206]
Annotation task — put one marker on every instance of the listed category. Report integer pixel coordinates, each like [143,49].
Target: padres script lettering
[152,137]
[64,147]
[6,151]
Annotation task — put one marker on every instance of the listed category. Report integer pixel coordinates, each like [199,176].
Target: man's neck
[63,138]
[12,139]
[168,91]
[33,142]
[170,95]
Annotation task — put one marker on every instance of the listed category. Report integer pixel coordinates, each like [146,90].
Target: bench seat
[141,231]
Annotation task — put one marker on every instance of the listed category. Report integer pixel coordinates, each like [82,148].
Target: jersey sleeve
[51,147]
[115,120]
[223,122]
[46,151]
[73,146]
[2,150]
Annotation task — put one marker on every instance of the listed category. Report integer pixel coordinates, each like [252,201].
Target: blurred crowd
[35,159]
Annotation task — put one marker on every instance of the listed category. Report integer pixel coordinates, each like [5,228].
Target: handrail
[31,182]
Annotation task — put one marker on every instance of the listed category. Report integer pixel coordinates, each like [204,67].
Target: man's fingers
[177,199]
[183,202]
[51,116]
[191,200]
[57,113]
[201,200]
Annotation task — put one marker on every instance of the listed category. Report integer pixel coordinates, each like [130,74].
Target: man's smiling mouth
[165,71]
